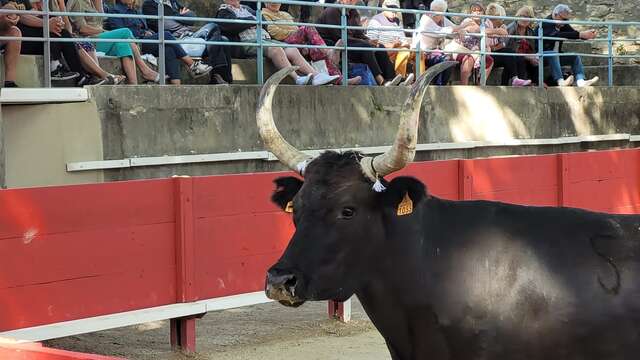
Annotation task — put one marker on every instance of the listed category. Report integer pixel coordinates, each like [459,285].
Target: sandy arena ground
[265,332]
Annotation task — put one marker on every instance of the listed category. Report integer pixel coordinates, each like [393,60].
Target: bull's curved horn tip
[281,74]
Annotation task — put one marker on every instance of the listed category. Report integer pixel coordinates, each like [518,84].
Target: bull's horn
[273,140]
[404,147]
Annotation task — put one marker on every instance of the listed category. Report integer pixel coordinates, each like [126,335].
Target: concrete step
[30,73]
[623,75]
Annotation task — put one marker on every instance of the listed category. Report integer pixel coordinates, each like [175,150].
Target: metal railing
[261,44]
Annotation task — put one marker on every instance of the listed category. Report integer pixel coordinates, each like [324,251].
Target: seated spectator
[408,19]
[524,46]
[468,41]
[218,57]
[384,29]
[92,73]
[378,61]
[281,58]
[11,48]
[563,12]
[302,35]
[61,52]
[129,54]
[432,33]
[173,53]
[514,71]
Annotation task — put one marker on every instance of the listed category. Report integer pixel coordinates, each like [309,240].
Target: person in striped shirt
[384,29]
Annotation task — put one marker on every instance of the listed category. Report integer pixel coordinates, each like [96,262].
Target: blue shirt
[137,26]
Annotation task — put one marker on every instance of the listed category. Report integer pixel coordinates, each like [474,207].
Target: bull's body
[449,280]
[487,280]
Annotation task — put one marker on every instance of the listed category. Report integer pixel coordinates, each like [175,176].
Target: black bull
[461,279]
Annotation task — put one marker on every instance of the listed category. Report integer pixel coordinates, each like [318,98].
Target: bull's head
[337,214]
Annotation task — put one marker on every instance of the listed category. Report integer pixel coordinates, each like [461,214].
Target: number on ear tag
[406,205]
[289,207]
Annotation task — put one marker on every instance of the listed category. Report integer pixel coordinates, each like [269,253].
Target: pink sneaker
[519,82]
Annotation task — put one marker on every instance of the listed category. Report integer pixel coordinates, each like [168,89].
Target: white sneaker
[323,78]
[303,80]
[566,82]
[396,80]
[199,69]
[582,82]
[409,80]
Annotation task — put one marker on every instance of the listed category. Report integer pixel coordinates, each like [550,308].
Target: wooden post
[340,310]
[563,179]
[465,179]
[183,330]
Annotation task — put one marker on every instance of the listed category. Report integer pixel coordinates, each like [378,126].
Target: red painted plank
[599,165]
[234,194]
[86,297]
[57,257]
[59,209]
[440,177]
[522,173]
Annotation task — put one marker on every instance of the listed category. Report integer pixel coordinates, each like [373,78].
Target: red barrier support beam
[183,330]
[563,179]
[340,310]
[465,179]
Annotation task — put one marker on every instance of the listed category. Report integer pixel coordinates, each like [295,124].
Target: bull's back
[547,282]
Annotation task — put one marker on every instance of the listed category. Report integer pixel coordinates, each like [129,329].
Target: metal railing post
[161,45]
[418,50]
[540,56]
[343,36]
[483,55]
[610,59]
[260,52]
[46,59]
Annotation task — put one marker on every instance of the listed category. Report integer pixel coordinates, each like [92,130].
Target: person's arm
[98,6]
[112,23]
[233,28]
[567,32]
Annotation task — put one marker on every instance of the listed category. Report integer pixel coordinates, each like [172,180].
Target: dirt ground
[266,332]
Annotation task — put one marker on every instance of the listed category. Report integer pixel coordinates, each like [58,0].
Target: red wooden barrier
[72,252]
[35,351]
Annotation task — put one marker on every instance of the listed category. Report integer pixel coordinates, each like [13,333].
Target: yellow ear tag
[289,207]
[406,205]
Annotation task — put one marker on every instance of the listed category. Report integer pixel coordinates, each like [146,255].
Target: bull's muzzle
[282,287]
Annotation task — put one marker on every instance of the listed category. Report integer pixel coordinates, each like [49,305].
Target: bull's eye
[347,213]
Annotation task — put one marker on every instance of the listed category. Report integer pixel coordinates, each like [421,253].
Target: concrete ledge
[42,95]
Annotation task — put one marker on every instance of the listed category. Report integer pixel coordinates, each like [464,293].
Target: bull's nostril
[285,283]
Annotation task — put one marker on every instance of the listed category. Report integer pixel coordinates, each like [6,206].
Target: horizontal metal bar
[327,5]
[268,156]
[42,95]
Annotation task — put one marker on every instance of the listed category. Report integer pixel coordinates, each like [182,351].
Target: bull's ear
[286,189]
[403,193]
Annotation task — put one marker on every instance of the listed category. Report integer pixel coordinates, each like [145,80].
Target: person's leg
[70,54]
[90,64]
[554,64]
[297,59]
[32,47]
[279,59]
[11,55]
[172,65]
[508,65]
[576,65]
[367,58]
[467,63]
[308,35]
[382,57]
[147,73]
